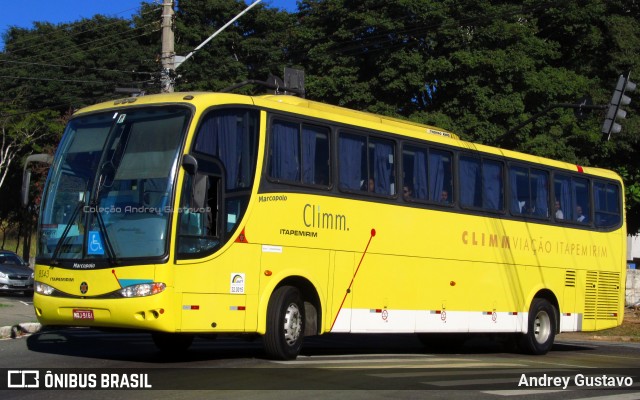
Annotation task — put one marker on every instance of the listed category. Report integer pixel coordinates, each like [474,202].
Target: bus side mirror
[200,183]
[26,173]
[26,182]
[190,164]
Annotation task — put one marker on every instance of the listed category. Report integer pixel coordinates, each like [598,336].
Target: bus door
[339,308]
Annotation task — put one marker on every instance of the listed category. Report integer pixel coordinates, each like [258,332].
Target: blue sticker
[94,247]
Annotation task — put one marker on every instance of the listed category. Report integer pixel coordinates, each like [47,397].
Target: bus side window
[563,198]
[607,204]
[581,208]
[315,155]
[529,191]
[198,225]
[427,174]
[299,153]
[381,166]
[481,183]
[470,182]
[351,159]
[284,154]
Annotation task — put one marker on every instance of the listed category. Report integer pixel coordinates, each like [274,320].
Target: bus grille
[602,295]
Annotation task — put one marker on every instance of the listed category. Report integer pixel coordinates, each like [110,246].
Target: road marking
[470,382]
[623,396]
[520,392]
[506,393]
[488,371]
[420,366]
[365,356]
[381,360]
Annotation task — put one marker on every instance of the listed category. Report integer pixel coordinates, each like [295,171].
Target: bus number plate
[82,314]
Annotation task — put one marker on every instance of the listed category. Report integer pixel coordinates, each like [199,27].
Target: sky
[23,13]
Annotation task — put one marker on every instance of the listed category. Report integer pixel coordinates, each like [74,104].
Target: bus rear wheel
[285,324]
[172,343]
[542,328]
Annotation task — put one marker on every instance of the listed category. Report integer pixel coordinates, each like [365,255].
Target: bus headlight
[143,289]
[43,288]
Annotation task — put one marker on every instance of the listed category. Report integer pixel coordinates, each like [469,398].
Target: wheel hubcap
[542,327]
[292,324]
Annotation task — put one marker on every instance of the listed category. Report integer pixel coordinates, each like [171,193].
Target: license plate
[82,314]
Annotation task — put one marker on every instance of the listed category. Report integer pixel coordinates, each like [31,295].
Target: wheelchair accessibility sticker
[94,247]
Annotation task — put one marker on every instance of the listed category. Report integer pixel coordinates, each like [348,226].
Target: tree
[23,133]
[251,48]
[67,66]
[480,68]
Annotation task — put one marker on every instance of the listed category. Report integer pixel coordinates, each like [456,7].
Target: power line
[29,78]
[80,25]
[78,46]
[69,66]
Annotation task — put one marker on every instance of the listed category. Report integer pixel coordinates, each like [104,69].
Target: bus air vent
[570,279]
[602,295]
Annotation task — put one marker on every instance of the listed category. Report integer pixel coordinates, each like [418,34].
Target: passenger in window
[558,208]
[407,193]
[444,197]
[370,186]
[580,217]
[529,208]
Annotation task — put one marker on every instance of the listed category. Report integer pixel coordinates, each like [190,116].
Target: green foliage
[68,66]
[252,48]
[478,68]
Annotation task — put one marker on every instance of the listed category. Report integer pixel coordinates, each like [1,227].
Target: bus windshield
[109,190]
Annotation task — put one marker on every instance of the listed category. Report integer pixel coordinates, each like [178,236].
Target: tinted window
[230,136]
[10,259]
[299,153]
[529,191]
[571,202]
[366,164]
[481,183]
[427,174]
[607,204]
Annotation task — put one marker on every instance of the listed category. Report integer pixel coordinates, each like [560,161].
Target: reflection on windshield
[116,171]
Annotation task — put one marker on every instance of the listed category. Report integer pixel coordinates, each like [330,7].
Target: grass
[630,326]
[11,241]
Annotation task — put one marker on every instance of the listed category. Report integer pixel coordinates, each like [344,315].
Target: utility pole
[170,61]
[168,52]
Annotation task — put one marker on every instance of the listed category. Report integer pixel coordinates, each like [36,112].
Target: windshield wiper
[67,229]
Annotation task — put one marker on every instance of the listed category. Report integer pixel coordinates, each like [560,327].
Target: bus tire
[542,328]
[285,324]
[172,343]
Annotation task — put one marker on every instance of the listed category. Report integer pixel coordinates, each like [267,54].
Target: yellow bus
[189,214]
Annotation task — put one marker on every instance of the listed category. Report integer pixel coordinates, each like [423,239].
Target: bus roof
[316,109]
[361,115]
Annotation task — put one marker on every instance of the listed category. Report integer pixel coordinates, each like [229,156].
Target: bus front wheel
[542,327]
[285,324]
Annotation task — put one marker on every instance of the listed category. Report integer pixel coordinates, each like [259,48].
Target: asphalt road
[330,366]
[16,308]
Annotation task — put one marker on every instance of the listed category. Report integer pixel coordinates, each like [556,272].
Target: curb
[19,330]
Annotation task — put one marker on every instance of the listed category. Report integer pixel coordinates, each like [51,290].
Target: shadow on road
[139,347]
